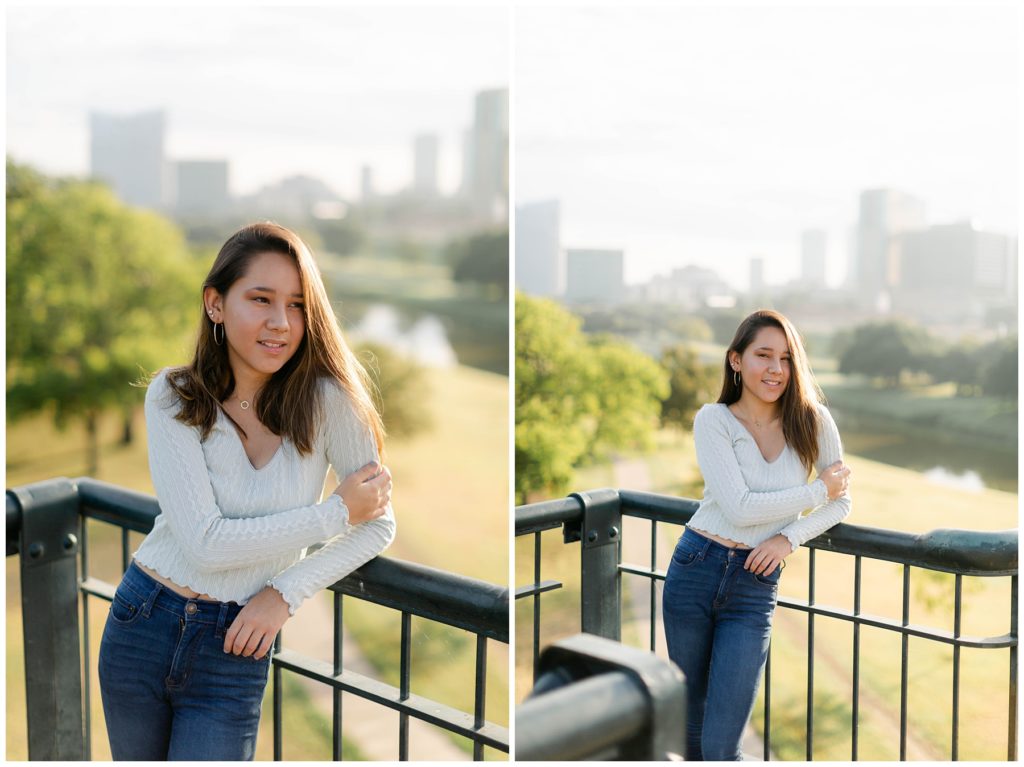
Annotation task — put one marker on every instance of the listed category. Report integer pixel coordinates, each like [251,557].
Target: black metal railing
[46,525]
[594,519]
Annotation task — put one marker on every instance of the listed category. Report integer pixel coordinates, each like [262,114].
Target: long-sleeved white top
[746,498]
[228,530]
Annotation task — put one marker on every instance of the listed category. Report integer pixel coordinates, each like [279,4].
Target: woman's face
[765,365]
[263,317]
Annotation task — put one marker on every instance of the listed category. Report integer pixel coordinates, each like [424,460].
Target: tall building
[884,214]
[691,288]
[539,264]
[813,244]
[127,152]
[953,273]
[366,183]
[425,158]
[201,186]
[485,163]
[594,276]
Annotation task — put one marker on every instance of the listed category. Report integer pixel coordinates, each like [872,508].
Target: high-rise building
[425,157]
[485,163]
[539,264]
[884,214]
[813,244]
[594,276]
[127,152]
[201,186]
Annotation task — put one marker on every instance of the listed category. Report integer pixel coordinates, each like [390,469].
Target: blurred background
[854,168]
[138,140]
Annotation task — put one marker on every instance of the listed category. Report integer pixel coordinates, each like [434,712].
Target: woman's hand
[836,478]
[253,630]
[366,492]
[766,556]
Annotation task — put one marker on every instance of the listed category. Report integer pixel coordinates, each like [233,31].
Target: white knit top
[748,499]
[228,530]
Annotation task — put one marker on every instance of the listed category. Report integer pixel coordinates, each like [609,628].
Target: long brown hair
[289,404]
[800,399]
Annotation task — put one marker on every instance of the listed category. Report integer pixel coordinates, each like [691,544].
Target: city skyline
[733,130]
[275,92]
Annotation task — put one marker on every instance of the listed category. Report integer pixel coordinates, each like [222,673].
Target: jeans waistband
[156,594]
[714,547]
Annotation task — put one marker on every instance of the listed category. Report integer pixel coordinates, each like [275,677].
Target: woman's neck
[756,410]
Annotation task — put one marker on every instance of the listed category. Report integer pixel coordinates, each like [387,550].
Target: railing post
[600,582]
[48,545]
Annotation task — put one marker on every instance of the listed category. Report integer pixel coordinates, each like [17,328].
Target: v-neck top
[748,498]
[228,529]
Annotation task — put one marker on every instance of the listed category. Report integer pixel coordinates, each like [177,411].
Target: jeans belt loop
[222,619]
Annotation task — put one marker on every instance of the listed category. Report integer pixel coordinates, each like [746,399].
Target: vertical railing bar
[86,652]
[125,556]
[855,713]
[810,659]
[654,583]
[904,664]
[481,694]
[957,607]
[277,700]
[536,604]
[405,673]
[1011,740]
[767,740]
[336,719]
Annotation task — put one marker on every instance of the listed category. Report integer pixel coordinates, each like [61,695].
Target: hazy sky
[277,91]
[709,135]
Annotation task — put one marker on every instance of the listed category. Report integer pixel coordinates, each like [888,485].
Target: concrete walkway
[632,474]
[371,727]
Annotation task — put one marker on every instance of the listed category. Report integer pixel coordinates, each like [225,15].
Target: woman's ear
[734,360]
[213,303]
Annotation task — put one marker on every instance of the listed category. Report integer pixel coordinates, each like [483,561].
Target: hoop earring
[737,379]
[221,326]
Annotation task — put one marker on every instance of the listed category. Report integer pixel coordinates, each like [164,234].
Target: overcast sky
[277,91]
[709,135]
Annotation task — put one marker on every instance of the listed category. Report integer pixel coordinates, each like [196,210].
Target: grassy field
[886,497]
[450,498]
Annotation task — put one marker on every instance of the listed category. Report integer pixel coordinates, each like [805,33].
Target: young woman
[756,448]
[239,445]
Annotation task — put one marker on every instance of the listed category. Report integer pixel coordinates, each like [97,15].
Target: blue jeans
[170,692]
[718,620]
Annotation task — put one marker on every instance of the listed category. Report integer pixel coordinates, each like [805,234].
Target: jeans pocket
[768,580]
[126,607]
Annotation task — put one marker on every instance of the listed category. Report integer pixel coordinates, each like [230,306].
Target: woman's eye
[297,306]
[260,298]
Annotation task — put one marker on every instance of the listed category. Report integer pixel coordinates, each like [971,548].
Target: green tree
[400,388]
[576,398]
[999,378]
[885,350]
[96,292]
[482,259]
[691,384]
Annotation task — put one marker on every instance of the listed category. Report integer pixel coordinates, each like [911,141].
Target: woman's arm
[208,538]
[830,450]
[349,444]
[723,476]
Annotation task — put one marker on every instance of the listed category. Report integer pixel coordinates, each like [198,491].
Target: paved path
[371,727]
[632,474]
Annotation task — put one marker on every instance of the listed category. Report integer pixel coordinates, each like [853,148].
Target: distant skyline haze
[318,91]
[712,135]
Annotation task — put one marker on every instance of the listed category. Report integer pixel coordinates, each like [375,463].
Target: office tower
[425,157]
[813,243]
[201,186]
[594,276]
[539,264]
[127,152]
[485,163]
[884,214]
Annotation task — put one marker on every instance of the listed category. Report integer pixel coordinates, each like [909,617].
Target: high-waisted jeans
[170,692]
[718,620]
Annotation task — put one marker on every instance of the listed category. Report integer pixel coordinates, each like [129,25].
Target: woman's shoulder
[159,391]
[713,411]
[335,401]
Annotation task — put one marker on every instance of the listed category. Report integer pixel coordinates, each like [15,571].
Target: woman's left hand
[766,556]
[256,625]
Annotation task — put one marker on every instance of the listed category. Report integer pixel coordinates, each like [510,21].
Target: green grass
[450,499]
